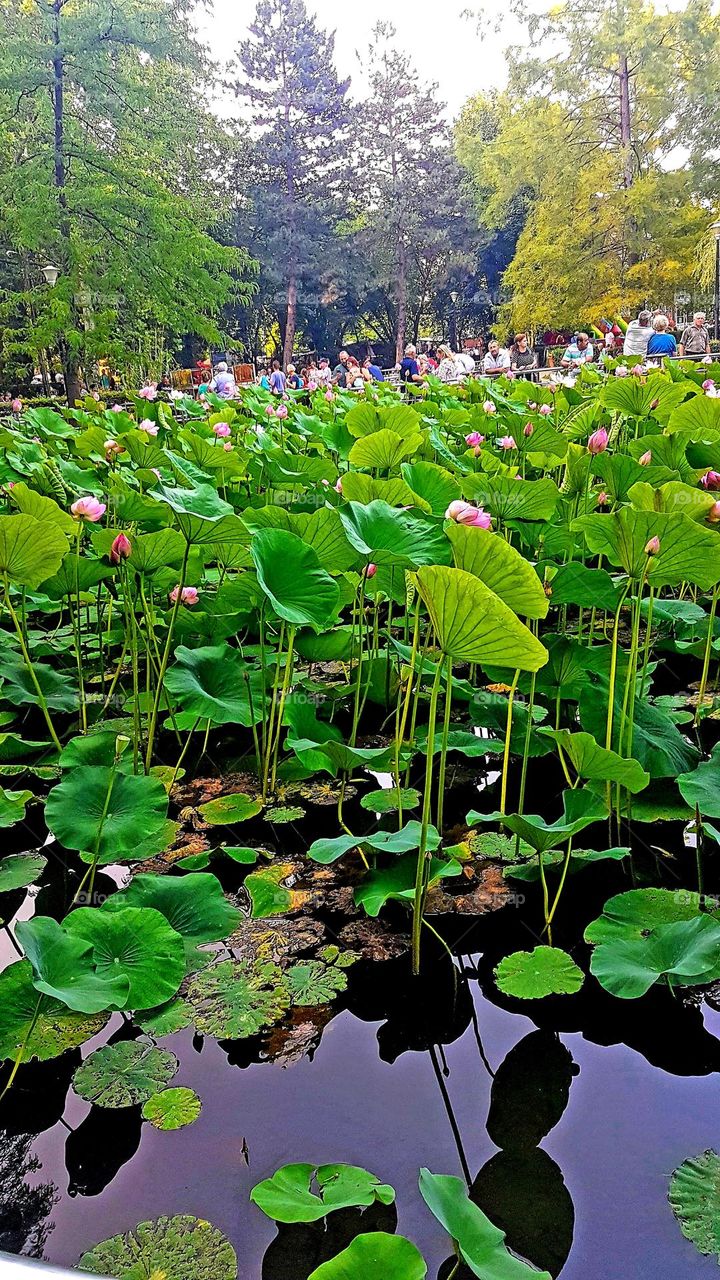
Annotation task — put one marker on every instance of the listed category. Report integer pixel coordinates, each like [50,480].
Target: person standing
[639,333]
[323,375]
[293,380]
[223,383]
[277,379]
[339,373]
[374,370]
[661,343]
[264,380]
[695,340]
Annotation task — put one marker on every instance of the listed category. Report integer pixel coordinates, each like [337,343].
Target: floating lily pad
[225,811]
[288,1195]
[180,1248]
[313,982]
[389,799]
[234,999]
[124,1074]
[174,1015]
[38,1025]
[694,1197]
[493,844]
[374,1256]
[531,975]
[18,870]
[172,1109]
[194,905]
[288,813]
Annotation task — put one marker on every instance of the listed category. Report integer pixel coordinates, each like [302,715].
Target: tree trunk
[291,319]
[401,286]
[70,361]
[625,129]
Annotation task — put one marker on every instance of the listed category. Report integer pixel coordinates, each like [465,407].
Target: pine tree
[299,113]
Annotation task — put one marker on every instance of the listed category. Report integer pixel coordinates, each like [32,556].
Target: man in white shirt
[639,333]
[496,359]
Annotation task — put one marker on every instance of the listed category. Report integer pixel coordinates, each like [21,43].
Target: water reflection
[24,1207]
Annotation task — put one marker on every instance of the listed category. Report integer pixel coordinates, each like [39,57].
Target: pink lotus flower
[602,499]
[532,404]
[713,515]
[707,384]
[507,442]
[528,429]
[707,360]
[281,411]
[176,395]
[116,408]
[149,392]
[270,410]
[646,458]
[188,595]
[637,369]
[370,570]
[489,407]
[713,393]
[88,509]
[221,430]
[312,386]
[149,426]
[338,485]
[711,480]
[621,371]
[545,410]
[156,472]
[112,449]
[474,439]
[96,396]
[16,405]
[121,549]
[465,513]
[652,546]
[228,446]
[325,483]
[329,396]
[598,441]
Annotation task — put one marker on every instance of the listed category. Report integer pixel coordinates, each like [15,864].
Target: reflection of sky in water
[627,1126]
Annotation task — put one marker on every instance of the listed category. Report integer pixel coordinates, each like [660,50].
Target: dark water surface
[626,1126]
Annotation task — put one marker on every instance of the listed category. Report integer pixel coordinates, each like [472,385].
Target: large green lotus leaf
[430,482]
[57,688]
[556,860]
[629,916]
[63,967]
[512,499]
[329,848]
[81,816]
[687,951]
[672,498]
[688,552]
[397,882]
[12,810]
[290,573]
[194,905]
[311,982]
[93,748]
[700,415]
[480,1243]
[287,1195]
[326,646]
[322,530]
[387,536]
[30,550]
[542,835]
[364,419]
[532,975]
[595,763]
[225,811]
[200,504]
[694,1196]
[124,1074]
[234,999]
[136,942]
[657,742]
[545,445]
[30,503]
[638,399]
[701,788]
[36,1025]
[180,1248]
[575,583]
[172,1109]
[619,473]
[495,562]
[383,449]
[473,625]
[153,551]
[374,1256]
[216,683]
[18,870]
[357,486]
[76,573]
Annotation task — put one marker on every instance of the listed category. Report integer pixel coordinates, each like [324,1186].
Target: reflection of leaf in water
[523,1193]
[694,1197]
[181,1248]
[99,1147]
[530,1091]
[234,999]
[299,1247]
[124,1074]
[288,1044]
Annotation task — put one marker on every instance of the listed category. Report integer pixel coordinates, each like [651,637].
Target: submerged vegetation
[284,686]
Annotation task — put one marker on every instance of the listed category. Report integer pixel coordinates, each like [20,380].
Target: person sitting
[293,380]
[409,368]
[447,370]
[465,364]
[374,370]
[579,352]
[661,343]
[521,357]
[639,333]
[355,376]
[323,375]
[223,384]
[695,340]
[497,359]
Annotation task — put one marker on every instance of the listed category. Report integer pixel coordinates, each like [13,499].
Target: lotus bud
[489,407]
[507,442]
[116,408]
[188,595]
[602,499]
[707,384]
[638,370]
[474,439]
[16,405]
[528,429]
[654,403]
[270,410]
[228,446]
[598,441]
[221,429]
[88,509]
[465,513]
[652,546]
[545,410]
[312,386]
[121,549]
[713,515]
[329,396]
[711,480]
[112,450]
[281,411]
[532,405]
[370,570]
[621,371]
[338,485]
[646,458]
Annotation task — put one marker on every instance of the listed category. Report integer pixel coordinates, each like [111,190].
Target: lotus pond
[359,778]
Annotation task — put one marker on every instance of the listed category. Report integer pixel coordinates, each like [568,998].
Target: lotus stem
[706,656]
[506,752]
[30,668]
[421,872]
[152,728]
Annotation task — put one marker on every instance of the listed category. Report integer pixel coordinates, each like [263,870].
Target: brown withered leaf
[277,938]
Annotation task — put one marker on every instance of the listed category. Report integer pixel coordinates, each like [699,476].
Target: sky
[442,43]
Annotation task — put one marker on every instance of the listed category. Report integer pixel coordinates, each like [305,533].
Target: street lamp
[51,274]
[715,228]
[454,295]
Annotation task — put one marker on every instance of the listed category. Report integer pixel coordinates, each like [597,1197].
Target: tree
[299,113]
[107,171]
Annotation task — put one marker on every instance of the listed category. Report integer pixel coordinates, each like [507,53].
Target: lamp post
[453,319]
[715,228]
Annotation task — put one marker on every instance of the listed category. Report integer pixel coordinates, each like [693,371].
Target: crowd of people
[649,336]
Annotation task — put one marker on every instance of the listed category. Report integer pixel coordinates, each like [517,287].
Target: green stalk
[271,720]
[444,744]
[506,752]
[421,872]
[400,732]
[152,727]
[526,745]
[30,668]
[706,657]
[283,697]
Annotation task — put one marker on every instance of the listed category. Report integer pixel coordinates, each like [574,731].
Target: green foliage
[531,975]
[172,1109]
[694,1197]
[124,1074]
[481,1245]
[288,1195]
[181,1248]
